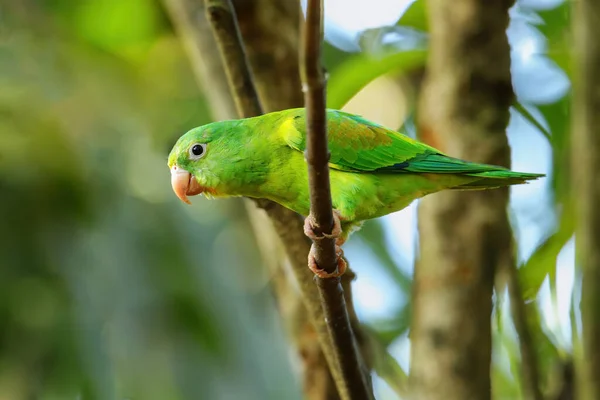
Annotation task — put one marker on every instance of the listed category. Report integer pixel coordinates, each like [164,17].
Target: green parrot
[374,171]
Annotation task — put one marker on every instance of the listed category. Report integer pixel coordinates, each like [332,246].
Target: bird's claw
[321,273]
[336,231]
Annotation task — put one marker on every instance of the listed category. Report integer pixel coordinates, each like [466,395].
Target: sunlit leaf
[354,74]
[503,386]
[391,329]
[521,109]
[512,348]
[557,29]
[333,57]
[558,117]
[109,23]
[416,16]
[547,353]
[575,312]
[498,303]
[386,366]
[543,261]
[373,235]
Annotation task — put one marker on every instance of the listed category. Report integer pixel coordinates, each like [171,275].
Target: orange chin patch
[211,191]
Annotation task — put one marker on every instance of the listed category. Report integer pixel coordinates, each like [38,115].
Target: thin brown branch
[585,166]
[221,15]
[317,157]
[465,236]
[272,50]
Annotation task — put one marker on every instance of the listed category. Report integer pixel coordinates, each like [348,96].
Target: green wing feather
[359,145]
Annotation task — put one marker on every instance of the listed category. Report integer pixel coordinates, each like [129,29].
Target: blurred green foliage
[416,16]
[109,287]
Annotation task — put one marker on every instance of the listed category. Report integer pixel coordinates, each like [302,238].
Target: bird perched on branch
[374,171]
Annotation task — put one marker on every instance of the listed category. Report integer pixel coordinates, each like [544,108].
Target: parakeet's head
[197,159]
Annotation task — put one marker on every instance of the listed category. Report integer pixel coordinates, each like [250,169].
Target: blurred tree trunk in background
[272,50]
[270,29]
[465,236]
[586,178]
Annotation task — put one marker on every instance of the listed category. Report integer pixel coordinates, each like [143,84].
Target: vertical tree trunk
[270,29]
[465,236]
[586,179]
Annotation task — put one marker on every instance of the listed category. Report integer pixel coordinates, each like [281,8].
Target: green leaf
[574,311]
[373,235]
[543,260]
[558,116]
[389,330]
[510,344]
[333,57]
[503,385]
[416,16]
[520,108]
[557,29]
[386,366]
[547,354]
[355,73]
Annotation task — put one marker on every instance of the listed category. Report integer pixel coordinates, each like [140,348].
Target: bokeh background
[111,288]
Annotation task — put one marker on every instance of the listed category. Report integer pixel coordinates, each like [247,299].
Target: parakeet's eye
[197,151]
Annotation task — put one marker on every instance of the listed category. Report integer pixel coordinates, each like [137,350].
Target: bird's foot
[336,232]
[321,273]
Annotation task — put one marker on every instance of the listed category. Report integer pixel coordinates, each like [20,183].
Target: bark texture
[465,236]
[270,29]
[586,179]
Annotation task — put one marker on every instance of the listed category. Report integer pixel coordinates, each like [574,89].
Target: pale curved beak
[184,184]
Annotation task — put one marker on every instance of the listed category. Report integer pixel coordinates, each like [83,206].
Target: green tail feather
[496,179]
[492,176]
